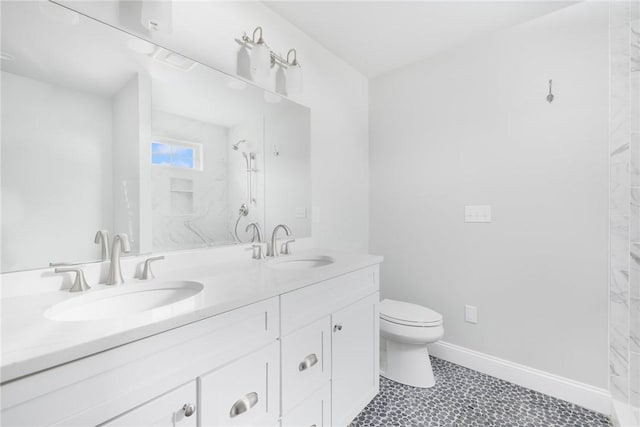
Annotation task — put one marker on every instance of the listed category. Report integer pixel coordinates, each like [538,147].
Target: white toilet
[405,331]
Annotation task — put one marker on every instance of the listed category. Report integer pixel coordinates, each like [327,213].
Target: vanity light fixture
[262,59]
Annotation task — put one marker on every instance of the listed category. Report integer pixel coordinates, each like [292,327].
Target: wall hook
[550,96]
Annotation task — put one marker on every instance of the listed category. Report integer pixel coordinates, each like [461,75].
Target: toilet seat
[404,313]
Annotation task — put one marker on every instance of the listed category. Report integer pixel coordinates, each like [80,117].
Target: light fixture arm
[249,42]
[284,62]
[295,57]
[253,37]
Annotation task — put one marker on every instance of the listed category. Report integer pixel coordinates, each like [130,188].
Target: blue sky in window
[172,155]
[182,157]
[160,154]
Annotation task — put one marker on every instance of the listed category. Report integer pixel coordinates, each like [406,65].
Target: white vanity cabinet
[337,322]
[308,357]
[110,385]
[354,352]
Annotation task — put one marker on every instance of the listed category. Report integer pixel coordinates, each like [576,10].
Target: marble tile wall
[624,204]
[634,127]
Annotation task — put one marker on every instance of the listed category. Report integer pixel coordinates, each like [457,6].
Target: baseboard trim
[623,415]
[587,396]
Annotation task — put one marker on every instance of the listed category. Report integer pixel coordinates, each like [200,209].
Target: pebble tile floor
[463,397]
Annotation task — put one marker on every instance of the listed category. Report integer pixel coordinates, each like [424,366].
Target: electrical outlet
[471,314]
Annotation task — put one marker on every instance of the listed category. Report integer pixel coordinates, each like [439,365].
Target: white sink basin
[127,299]
[300,262]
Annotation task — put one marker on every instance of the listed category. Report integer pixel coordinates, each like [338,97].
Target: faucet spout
[272,250]
[257,232]
[120,244]
[102,239]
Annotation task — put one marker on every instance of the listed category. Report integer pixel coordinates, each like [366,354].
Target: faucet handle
[284,248]
[147,274]
[258,250]
[79,284]
[63,264]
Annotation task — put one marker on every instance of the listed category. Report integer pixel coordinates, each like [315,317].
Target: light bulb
[294,80]
[281,81]
[243,63]
[260,60]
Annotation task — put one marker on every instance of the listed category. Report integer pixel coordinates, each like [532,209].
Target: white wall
[335,92]
[287,172]
[126,170]
[472,126]
[53,135]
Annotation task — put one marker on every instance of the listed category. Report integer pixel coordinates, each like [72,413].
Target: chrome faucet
[102,239]
[147,274]
[120,243]
[272,250]
[257,231]
[80,283]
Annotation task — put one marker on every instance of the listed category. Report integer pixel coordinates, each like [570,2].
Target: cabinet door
[174,409]
[354,361]
[313,412]
[306,362]
[244,393]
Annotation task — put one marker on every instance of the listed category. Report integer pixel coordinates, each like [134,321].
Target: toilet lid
[408,314]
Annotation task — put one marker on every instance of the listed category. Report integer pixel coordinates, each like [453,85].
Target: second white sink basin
[126,299]
[300,262]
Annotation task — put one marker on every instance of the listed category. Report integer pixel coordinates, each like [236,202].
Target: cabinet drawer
[313,412]
[244,393]
[303,306]
[306,362]
[174,409]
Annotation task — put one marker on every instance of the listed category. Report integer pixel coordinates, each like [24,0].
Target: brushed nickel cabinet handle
[189,409]
[337,328]
[308,362]
[243,404]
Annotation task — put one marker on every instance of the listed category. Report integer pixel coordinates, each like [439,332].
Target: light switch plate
[471,314]
[477,213]
[301,213]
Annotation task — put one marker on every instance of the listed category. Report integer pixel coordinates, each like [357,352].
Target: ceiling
[376,37]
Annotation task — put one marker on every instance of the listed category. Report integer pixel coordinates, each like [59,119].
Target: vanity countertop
[31,342]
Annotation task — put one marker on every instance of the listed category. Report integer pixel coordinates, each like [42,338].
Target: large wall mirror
[102,130]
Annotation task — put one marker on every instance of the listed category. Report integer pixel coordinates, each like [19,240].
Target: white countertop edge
[26,366]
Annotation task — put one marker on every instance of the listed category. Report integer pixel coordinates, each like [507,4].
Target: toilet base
[406,363]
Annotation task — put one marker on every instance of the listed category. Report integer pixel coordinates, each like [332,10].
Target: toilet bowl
[405,331]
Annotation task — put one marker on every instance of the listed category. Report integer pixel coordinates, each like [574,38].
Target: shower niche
[136,139]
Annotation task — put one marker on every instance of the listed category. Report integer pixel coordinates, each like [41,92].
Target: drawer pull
[337,328]
[308,362]
[243,404]
[189,409]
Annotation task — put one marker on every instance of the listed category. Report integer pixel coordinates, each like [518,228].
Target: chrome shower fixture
[237,144]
